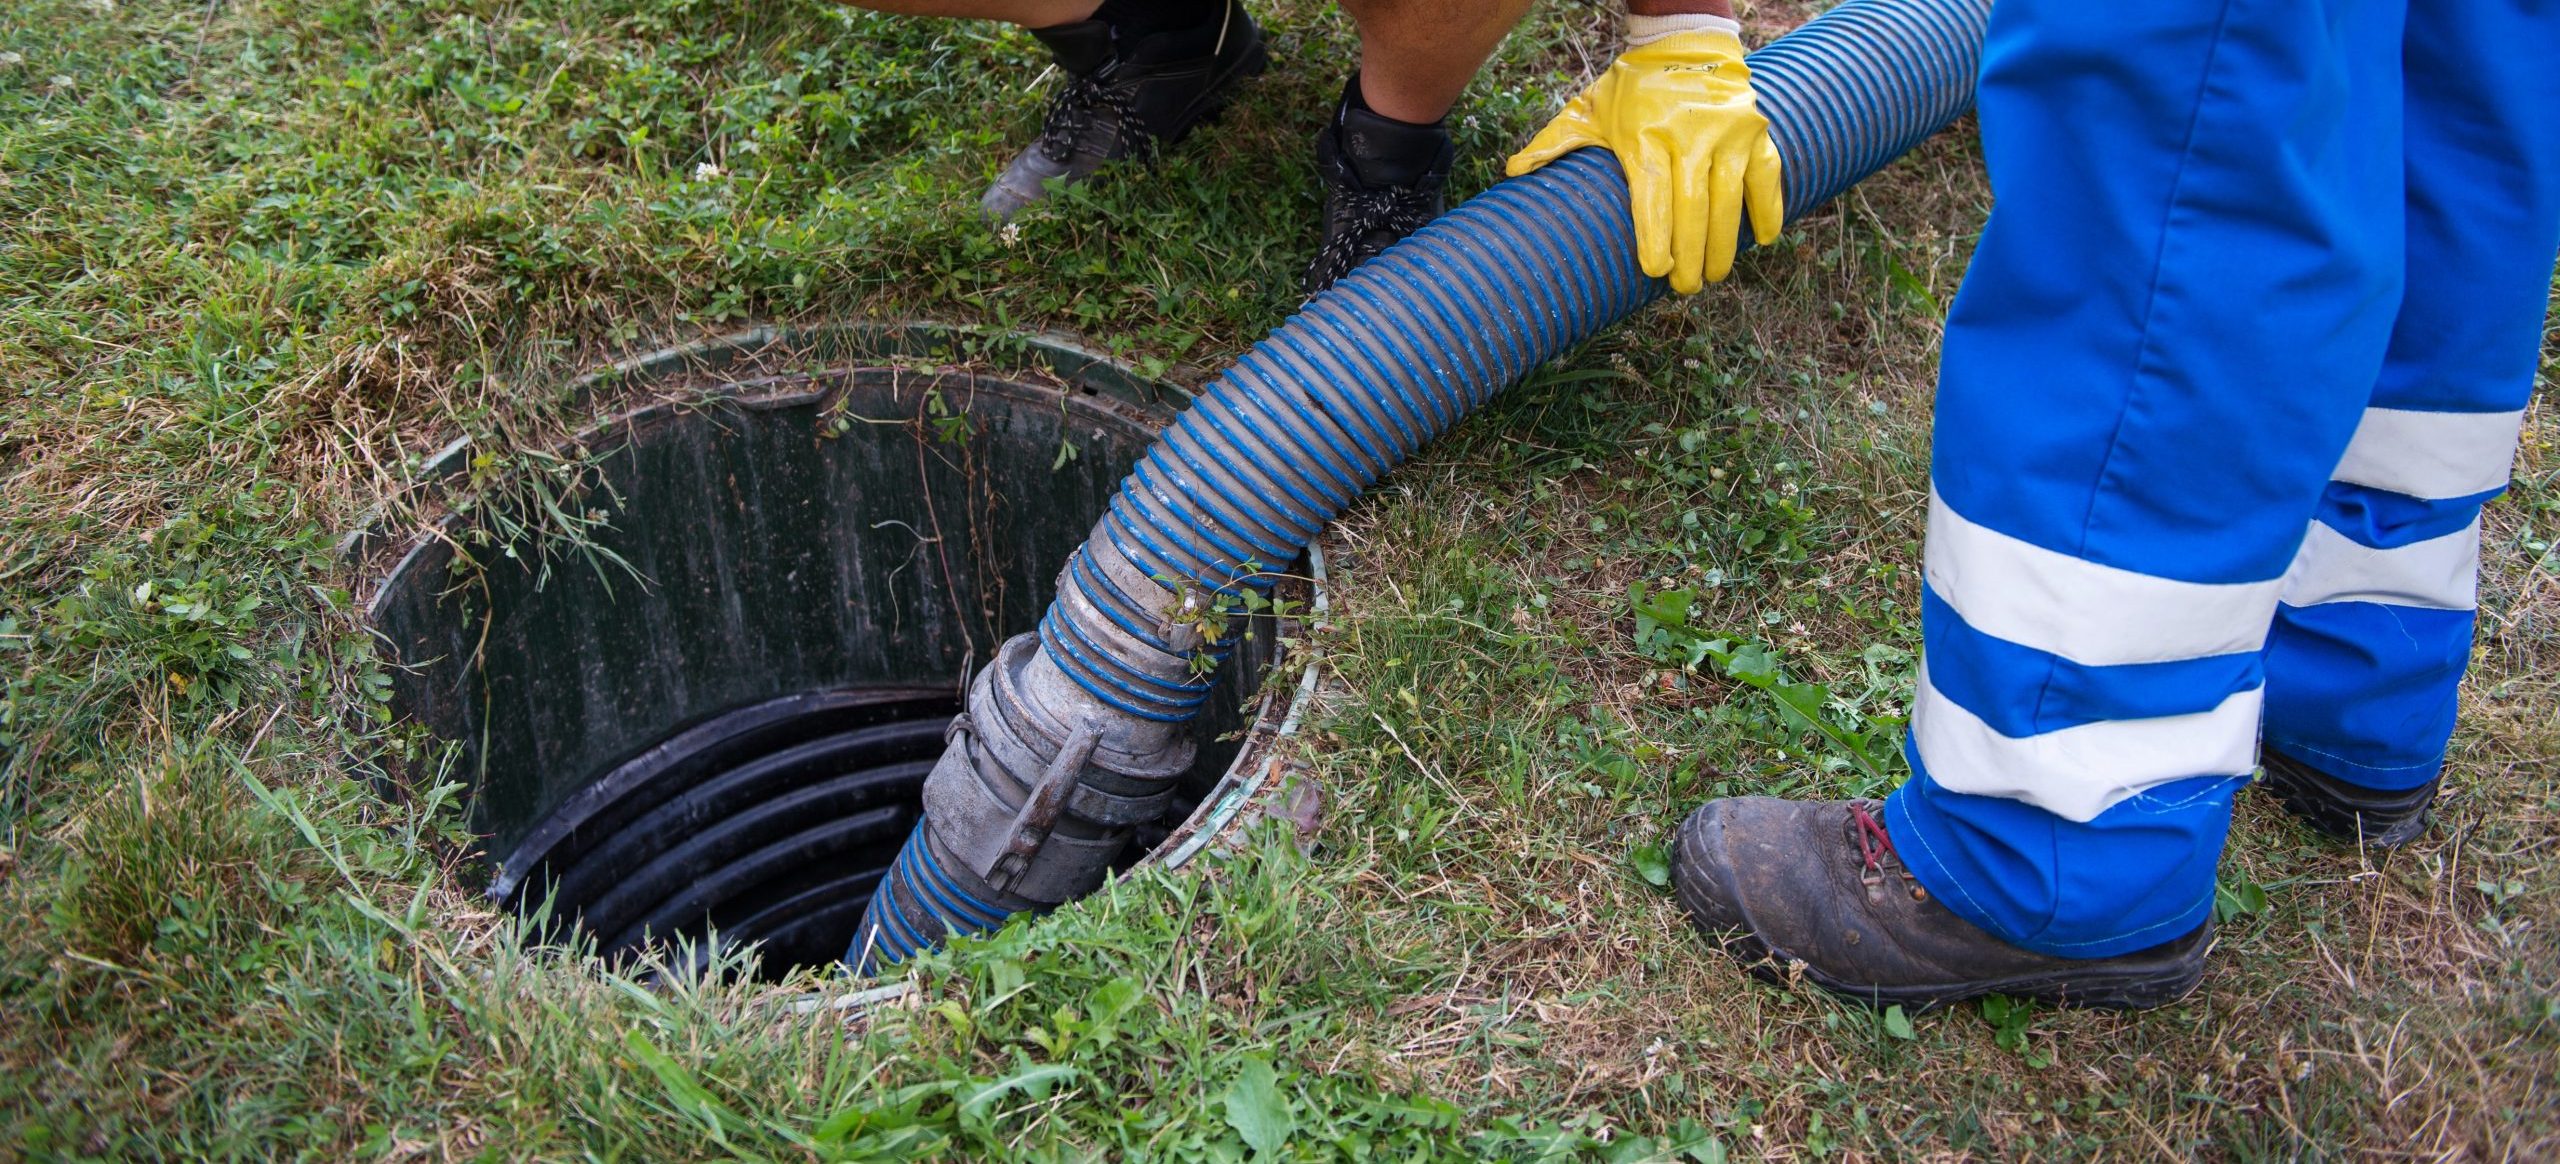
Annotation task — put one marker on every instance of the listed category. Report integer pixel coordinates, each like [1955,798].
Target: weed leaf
[977,1110]
[1652,864]
[1256,1109]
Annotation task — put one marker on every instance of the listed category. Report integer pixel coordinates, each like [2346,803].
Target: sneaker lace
[1371,221]
[1077,108]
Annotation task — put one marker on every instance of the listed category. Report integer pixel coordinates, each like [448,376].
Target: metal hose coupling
[1041,785]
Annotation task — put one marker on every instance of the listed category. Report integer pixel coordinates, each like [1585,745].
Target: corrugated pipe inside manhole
[715,715]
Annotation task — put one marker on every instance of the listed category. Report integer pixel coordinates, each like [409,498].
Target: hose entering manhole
[707,727]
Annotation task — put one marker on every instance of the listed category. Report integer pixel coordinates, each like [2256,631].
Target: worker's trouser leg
[2167,339]
[2375,628]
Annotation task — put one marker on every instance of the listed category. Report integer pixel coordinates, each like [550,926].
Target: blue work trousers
[2243,351]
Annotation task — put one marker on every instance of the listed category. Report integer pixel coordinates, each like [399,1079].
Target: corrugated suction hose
[1076,734]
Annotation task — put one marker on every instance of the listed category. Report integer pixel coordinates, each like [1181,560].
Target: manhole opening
[718,717]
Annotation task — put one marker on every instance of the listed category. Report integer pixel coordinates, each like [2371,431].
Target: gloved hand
[1678,110]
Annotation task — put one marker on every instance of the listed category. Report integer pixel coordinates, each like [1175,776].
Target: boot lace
[1372,221]
[1080,106]
[1874,845]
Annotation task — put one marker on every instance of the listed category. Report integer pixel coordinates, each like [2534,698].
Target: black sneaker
[2346,811]
[1815,888]
[1383,180]
[1127,96]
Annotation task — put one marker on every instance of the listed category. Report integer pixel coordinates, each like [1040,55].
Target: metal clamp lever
[1040,809]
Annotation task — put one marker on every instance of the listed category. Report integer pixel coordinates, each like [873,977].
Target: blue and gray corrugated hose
[1077,734]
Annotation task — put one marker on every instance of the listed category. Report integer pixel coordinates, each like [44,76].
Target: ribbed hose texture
[1414,340]
[1419,337]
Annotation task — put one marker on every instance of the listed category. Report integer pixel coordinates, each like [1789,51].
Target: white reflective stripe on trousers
[2078,772]
[2431,455]
[2437,574]
[2089,613]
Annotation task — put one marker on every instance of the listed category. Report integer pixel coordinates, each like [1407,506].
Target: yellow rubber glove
[1679,113]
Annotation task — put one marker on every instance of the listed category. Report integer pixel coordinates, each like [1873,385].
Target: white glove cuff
[1642,30]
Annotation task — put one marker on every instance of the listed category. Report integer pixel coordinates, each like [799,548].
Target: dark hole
[717,714]
[768,825]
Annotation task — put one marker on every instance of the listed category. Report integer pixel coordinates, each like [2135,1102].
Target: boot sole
[2128,988]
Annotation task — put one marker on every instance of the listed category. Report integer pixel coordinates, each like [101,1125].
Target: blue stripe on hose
[1399,271]
[1156,571]
[893,922]
[1544,306]
[883,939]
[1079,665]
[1440,344]
[1537,315]
[1252,385]
[1415,412]
[1193,477]
[1273,517]
[1089,651]
[1284,373]
[1577,274]
[1384,423]
[1112,600]
[1449,403]
[1204,566]
[874,945]
[1059,632]
[1085,669]
[1285,468]
[1209,410]
[1356,313]
[1196,543]
[1274,376]
[923,889]
[1479,315]
[1078,672]
[937,883]
[1154,481]
[1626,287]
[1482,313]
[1079,567]
[903,942]
[1123,525]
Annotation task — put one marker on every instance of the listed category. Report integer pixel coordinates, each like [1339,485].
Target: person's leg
[1384,155]
[1417,56]
[2375,629]
[2160,349]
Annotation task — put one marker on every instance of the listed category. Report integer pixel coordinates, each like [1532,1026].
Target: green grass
[257,260]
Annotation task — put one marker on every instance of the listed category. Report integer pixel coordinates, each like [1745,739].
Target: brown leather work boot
[1815,887]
